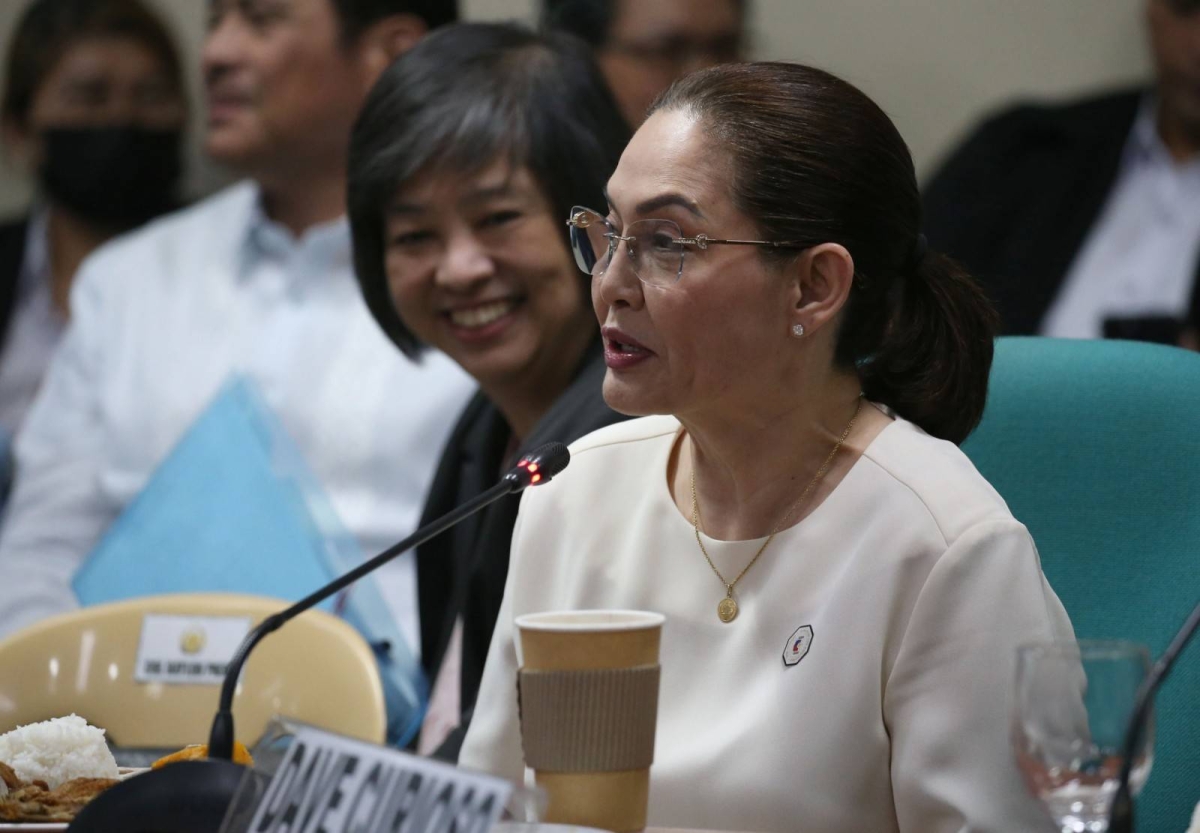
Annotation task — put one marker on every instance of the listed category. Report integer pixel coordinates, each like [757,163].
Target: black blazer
[463,572]
[1016,201]
[12,255]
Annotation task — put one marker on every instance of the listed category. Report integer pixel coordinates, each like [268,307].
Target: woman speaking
[844,592]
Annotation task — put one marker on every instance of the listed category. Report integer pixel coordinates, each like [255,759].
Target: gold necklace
[727,608]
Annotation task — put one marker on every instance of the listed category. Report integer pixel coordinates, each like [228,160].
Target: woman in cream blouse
[844,592]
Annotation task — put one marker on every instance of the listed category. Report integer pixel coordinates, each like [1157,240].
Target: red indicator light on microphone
[539,466]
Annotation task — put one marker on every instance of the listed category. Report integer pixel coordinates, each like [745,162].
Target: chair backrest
[1095,445]
[317,669]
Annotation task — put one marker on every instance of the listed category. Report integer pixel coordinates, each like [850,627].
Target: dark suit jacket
[12,255]
[463,572]
[1016,201]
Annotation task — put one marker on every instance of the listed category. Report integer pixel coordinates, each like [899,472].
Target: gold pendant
[727,609]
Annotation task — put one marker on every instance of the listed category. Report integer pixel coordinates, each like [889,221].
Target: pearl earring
[798,330]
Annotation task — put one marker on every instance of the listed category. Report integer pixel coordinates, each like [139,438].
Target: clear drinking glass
[1071,711]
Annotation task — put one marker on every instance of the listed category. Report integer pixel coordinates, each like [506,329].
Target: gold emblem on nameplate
[192,641]
[727,610]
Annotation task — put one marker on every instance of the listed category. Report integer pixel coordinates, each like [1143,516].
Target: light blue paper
[235,508]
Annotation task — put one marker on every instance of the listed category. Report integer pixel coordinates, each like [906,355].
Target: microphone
[1120,818]
[536,468]
[193,795]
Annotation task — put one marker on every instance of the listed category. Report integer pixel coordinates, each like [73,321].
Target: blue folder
[235,508]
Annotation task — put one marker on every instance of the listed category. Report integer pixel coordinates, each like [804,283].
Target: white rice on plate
[57,750]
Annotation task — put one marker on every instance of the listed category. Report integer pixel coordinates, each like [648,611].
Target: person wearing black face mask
[94,107]
[115,177]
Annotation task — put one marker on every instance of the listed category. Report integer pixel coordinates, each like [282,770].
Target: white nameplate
[188,649]
[335,784]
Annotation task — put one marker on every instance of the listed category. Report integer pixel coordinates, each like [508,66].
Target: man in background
[1083,220]
[643,46]
[256,280]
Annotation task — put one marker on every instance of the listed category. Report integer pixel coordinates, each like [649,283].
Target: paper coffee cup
[589,707]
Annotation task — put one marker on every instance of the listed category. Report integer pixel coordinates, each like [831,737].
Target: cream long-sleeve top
[866,682]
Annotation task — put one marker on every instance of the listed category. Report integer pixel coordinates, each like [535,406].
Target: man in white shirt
[1083,219]
[255,280]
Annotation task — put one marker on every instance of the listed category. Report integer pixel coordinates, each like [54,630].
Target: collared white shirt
[159,320]
[34,330]
[1140,257]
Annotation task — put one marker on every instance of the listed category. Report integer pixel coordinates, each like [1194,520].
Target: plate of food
[62,803]
[50,770]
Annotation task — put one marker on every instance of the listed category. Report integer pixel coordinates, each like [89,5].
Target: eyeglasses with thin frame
[656,248]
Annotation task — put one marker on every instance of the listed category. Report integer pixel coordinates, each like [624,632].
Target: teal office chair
[1095,445]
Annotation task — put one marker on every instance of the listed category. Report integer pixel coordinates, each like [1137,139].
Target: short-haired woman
[466,158]
[844,592]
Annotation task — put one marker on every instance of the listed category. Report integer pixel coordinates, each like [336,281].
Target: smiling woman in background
[94,106]
[463,167]
[844,593]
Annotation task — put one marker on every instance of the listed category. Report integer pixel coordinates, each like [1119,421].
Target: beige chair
[316,669]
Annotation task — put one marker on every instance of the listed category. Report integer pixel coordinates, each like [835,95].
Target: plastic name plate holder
[310,779]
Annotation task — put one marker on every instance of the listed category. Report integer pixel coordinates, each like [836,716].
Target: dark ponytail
[932,362]
[815,161]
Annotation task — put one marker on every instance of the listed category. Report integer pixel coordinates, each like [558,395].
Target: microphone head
[539,466]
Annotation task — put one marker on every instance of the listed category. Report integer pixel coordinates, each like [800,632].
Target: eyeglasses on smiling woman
[656,247]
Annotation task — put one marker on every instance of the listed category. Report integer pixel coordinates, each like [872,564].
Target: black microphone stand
[220,740]
[1120,818]
[193,796]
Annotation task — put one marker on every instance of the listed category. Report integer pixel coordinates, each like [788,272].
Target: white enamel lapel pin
[797,645]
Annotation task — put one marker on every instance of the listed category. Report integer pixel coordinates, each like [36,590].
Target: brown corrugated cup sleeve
[589,721]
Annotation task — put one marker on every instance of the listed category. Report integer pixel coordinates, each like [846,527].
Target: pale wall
[934,65]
